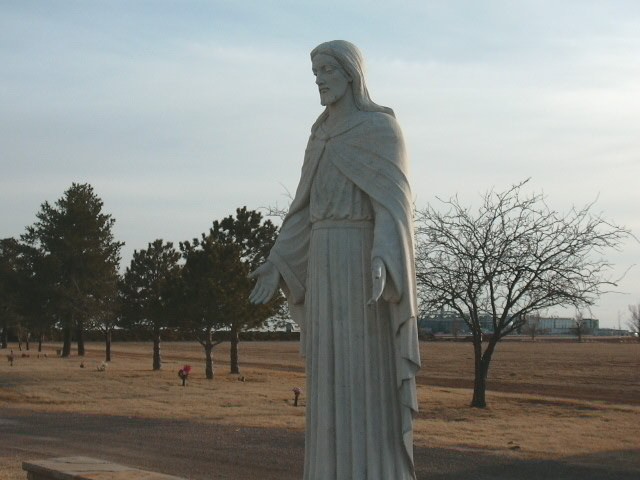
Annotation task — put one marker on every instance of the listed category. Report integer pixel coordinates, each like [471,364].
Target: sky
[178,112]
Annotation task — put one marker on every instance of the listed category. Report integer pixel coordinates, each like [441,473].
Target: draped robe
[353,203]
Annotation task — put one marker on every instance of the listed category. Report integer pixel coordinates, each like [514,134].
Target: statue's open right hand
[268,278]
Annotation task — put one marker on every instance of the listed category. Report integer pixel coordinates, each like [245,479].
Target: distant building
[449,323]
[566,326]
[613,332]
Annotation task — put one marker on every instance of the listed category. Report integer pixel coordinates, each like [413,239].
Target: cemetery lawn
[547,400]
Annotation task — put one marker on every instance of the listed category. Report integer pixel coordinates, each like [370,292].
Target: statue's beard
[327,98]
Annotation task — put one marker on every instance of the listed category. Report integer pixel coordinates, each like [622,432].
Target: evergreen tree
[214,285]
[204,295]
[253,238]
[35,291]
[146,288]
[9,249]
[75,238]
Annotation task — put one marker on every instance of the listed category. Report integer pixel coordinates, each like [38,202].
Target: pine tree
[145,291]
[75,238]
[9,251]
[214,285]
[253,239]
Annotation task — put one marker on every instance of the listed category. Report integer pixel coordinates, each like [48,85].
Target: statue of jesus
[344,258]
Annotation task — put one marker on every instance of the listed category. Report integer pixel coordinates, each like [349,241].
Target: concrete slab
[87,468]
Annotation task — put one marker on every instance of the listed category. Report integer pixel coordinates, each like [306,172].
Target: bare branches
[275,211]
[513,256]
[278,211]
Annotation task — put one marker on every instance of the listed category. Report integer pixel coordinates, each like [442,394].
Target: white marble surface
[344,257]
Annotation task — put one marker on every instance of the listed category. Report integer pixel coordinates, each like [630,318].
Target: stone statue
[344,258]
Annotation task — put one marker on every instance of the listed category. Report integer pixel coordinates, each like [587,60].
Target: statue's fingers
[265,294]
[256,273]
[376,289]
[374,298]
[256,294]
[261,295]
[252,296]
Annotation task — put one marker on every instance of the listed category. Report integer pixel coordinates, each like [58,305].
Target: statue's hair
[351,61]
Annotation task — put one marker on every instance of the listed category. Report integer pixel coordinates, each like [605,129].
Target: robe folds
[353,203]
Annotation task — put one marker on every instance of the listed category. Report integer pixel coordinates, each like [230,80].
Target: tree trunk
[28,337]
[4,338]
[66,341]
[157,358]
[208,347]
[40,339]
[80,338]
[480,386]
[480,380]
[235,339]
[482,362]
[107,346]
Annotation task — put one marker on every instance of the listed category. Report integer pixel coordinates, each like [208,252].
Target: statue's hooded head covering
[351,61]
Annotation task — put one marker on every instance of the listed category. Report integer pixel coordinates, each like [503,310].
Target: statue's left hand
[379,278]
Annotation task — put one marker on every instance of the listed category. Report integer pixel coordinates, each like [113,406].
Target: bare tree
[456,328]
[531,326]
[580,326]
[512,257]
[634,323]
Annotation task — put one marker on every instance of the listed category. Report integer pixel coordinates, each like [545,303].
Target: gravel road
[204,451]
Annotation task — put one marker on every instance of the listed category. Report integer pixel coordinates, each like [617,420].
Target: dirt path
[200,451]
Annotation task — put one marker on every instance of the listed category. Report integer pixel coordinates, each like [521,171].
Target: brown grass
[553,399]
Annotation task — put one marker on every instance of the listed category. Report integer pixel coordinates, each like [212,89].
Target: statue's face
[333,82]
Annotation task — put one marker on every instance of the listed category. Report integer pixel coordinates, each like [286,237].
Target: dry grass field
[547,400]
